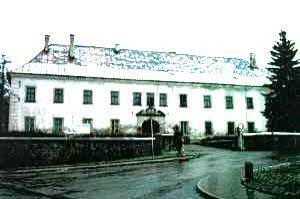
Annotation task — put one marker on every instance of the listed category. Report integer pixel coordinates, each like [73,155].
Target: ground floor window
[251,127]
[115,125]
[184,127]
[58,123]
[88,121]
[230,128]
[208,128]
[29,124]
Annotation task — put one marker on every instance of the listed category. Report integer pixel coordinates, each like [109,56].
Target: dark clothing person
[178,139]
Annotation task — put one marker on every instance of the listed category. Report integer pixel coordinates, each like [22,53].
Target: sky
[221,28]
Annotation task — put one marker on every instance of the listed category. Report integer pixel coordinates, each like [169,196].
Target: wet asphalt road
[162,180]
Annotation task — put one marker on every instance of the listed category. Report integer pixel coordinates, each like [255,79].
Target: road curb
[205,192]
[104,165]
[29,191]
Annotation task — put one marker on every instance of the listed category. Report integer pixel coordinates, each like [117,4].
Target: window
[184,128]
[150,99]
[30,94]
[230,128]
[163,101]
[114,97]
[297,90]
[87,97]
[137,99]
[88,121]
[208,128]
[251,127]
[58,95]
[249,102]
[229,102]
[183,100]
[58,123]
[115,123]
[29,124]
[207,101]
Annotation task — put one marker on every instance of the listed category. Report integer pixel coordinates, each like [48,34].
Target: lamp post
[240,136]
[151,128]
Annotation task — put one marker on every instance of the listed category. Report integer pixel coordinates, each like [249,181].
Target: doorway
[146,127]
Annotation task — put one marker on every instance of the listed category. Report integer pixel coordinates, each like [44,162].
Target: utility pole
[3,105]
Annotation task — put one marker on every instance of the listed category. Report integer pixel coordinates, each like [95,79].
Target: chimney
[252,61]
[46,48]
[71,47]
[117,48]
[172,54]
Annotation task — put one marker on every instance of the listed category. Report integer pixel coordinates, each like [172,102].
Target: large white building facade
[120,91]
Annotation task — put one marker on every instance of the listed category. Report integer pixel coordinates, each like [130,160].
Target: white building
[67,85]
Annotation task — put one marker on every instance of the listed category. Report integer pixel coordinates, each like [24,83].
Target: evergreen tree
[281,102]
[4,92]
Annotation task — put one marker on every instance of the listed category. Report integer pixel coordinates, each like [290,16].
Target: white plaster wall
[73,109]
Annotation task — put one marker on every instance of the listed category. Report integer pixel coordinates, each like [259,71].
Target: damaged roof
[100,62]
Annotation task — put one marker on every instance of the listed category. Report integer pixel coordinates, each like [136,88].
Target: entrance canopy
[150,112]
[145,117]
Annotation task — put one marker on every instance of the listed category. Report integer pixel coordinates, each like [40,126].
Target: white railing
[272,133]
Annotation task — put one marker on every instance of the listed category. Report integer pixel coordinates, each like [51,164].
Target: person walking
[178,140]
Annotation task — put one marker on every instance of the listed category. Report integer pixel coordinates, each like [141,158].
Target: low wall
[30,151]
[272,141]
[226,142]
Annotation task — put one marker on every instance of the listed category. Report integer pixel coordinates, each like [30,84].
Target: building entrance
[146,127]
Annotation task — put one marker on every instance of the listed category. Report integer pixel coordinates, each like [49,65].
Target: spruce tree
[3,96]
[281,102]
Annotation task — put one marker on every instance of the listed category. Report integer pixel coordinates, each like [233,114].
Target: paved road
[221,167]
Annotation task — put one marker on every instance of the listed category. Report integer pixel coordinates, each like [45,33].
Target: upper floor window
[229,102]
[137,99]
[207,101]
[58,95]
[115,125]
[29,124]
[114,97]
[163,100]
[183,100]
[30,94]
[150,99]
[87,97]
[249,103]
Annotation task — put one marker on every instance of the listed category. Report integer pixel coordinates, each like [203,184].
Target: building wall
[101,111]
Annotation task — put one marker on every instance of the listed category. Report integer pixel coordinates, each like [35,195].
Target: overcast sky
[229,28]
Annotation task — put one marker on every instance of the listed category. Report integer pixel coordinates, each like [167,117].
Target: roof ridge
[150,51]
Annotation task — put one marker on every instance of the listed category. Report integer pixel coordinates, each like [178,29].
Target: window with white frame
[137,98]
[115,126]
[29,123]
[163,100]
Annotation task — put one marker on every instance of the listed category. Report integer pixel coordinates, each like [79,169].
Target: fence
[281,179]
